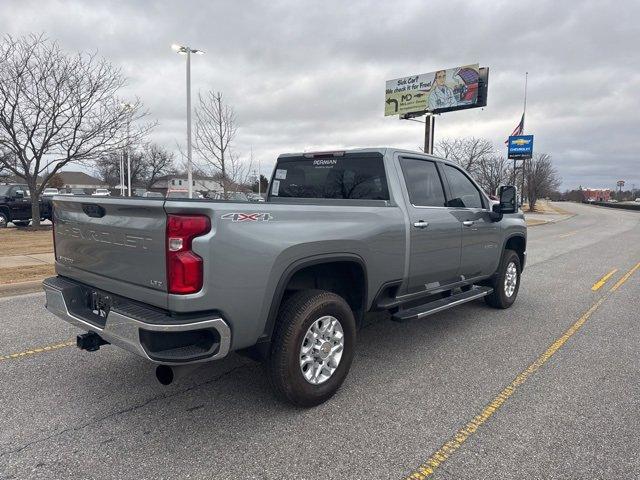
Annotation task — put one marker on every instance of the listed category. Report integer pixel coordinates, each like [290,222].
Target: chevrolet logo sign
[521,141]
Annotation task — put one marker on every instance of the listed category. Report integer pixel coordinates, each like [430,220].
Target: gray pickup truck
[288,281]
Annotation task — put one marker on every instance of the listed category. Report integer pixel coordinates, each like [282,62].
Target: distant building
[80,180]
[596,194]
[201,183]
[69,180]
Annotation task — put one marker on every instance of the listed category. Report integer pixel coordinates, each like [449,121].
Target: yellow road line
[596,286]
[625,278]
[427,468]
[34,351]
[568,234]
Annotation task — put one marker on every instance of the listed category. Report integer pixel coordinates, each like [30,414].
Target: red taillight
[184,268]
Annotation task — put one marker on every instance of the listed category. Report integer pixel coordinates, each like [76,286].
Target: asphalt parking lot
[547,389]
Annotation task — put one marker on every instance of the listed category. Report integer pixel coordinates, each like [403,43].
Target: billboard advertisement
[437,92]
[521,147]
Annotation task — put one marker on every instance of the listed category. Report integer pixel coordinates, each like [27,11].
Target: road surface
[547,389]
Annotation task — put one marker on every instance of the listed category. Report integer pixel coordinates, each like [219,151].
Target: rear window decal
[281,174]
[275,188]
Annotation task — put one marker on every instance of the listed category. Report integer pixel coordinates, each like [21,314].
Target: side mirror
[508,200]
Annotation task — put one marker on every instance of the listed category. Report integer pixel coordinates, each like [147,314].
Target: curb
[21,288]
[551,222]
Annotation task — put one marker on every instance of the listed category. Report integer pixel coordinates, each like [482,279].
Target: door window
[463,192]
[423,182]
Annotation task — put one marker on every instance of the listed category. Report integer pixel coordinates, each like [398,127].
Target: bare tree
[158,162]
[56,181]
[541,178]
[56,109]
[467,152]
[148,163]
[493,171]
[216,130]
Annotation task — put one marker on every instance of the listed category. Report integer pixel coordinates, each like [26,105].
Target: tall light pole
[128,107]
[184,50]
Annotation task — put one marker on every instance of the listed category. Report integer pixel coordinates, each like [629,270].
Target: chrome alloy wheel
[321,350]
[3,221]
[510,279]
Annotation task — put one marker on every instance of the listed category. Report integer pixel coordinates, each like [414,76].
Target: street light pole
[189,160]
[184,50]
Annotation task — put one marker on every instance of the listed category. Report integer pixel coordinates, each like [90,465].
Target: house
[68,180]
[80,180]
[201,183]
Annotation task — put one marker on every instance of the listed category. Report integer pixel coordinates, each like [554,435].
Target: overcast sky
[311,75]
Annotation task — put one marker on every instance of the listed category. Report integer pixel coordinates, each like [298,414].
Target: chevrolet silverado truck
[15,205]
[185,281]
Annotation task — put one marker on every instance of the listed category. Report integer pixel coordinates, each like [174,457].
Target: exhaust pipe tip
[165,374]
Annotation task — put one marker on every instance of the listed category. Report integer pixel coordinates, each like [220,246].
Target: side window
[463,192]
[423,182]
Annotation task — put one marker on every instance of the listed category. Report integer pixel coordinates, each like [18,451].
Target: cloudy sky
[311,75]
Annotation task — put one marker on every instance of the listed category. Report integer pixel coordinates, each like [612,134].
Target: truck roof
[381,150]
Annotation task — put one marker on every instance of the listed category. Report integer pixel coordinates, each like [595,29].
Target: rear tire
[505,282]
[315,332]
[21,223]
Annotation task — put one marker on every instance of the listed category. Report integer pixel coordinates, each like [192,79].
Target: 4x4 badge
[247,217]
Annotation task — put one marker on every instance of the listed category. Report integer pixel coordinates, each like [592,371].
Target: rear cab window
[357,176]
[423,182]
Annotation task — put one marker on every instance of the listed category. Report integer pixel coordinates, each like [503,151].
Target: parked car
[183,194]
[101,192]
[152,195]
[49,192]
[254,197]
[287,281]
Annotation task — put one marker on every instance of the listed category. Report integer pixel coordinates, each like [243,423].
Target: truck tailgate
[120,240]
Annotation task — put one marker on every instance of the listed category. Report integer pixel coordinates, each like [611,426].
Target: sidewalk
[547,212]
[21,274]
[12,261]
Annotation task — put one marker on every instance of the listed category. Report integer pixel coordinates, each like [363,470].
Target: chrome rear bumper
[147,332]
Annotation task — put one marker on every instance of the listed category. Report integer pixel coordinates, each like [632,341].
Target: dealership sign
[521,147]
[437,92]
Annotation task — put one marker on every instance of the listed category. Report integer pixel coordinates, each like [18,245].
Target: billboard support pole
[429,130]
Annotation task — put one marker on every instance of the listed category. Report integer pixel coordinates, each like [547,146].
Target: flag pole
[524,112]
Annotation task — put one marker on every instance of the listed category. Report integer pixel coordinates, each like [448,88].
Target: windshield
[353,176]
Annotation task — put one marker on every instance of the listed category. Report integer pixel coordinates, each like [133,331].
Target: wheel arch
[517,243]
[302,270]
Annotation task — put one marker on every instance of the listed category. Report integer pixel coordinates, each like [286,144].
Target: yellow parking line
[34,351]
[568,234]
[625,278]
[427,468]
[596,286]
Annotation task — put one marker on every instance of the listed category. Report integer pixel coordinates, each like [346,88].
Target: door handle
[421,224]
[467,223]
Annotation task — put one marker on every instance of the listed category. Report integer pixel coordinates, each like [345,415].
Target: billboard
[437,92]
[521,147]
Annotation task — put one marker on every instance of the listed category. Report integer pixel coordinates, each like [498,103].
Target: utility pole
[429,130]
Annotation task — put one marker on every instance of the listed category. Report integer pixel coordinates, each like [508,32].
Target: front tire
[4,220]
[312,348]
[506,281]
